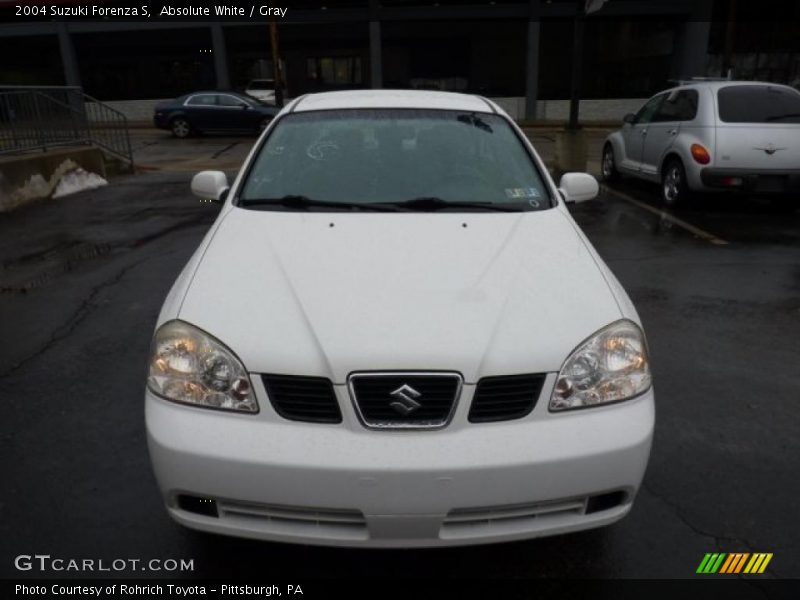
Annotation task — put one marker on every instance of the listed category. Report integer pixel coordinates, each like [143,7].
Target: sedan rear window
[758,104]
[433,159]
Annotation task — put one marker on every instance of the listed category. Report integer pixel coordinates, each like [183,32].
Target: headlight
[610,366]
[189,366]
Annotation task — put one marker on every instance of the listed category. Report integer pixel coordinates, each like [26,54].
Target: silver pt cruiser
[712,136]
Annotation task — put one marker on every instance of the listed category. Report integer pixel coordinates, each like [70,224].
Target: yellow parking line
[709,237]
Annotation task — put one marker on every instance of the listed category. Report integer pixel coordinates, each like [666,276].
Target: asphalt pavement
[717,285]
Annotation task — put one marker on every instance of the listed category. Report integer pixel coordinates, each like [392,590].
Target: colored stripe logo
[734,563]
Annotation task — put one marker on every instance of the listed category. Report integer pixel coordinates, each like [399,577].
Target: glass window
[648,111]
[227,101]
[758,104]
[343,70]
[202,100]
[396,155]
[678,106]
[326,70]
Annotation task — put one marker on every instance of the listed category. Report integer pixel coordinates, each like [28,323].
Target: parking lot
[82,279]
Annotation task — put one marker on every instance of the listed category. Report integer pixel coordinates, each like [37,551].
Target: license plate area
[770,183]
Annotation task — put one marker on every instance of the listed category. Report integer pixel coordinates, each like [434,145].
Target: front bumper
[345,485]
[760,181]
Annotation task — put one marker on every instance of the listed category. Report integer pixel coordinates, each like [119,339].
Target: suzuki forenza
[394,334]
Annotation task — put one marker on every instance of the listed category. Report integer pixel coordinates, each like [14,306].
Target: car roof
[213,92]
[392,99]
[717,84]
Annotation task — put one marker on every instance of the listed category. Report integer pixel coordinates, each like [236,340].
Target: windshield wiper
[304,202]
[475,121]
[432,203]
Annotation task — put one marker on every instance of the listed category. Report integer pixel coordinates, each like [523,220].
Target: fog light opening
[198,505]
[604,502]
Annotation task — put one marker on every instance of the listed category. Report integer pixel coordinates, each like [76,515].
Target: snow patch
[77,181]
[66,179]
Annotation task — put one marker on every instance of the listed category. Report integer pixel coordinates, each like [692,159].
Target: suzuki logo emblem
[405,399]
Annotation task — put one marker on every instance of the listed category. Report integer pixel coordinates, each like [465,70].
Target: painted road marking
[709,237]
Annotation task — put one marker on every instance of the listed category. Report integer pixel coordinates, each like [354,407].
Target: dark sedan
[213,112]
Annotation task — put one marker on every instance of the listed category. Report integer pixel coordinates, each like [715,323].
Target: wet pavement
[82,280]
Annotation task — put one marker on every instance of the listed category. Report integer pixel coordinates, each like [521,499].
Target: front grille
[480,516]
[405,400]
[333,523]
[505,398]
[310,399]
[514,518]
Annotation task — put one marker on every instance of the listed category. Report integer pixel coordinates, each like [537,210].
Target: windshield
[758,104]
[428,159]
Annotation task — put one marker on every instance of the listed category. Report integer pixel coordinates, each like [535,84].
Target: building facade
[519,49]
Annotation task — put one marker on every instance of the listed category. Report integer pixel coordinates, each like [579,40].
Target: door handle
[673,132]
[644,131]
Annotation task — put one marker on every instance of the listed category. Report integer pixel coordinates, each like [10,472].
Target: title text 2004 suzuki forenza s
[395,335]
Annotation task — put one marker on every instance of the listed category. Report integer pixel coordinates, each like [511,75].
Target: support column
[220,53]
[68,57]
[690,57]
[532,61]
[375,58]
[532,70]
[691,49]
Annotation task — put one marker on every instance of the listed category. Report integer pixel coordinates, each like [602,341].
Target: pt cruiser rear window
[758,104]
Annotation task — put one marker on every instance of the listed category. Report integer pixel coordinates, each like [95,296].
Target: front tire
[609,164]
[674,189]
[180,128]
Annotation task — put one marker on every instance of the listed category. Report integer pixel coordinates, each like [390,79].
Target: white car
[712,136]
[395,335]
[262,90]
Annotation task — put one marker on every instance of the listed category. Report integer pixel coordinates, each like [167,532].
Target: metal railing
[38,118]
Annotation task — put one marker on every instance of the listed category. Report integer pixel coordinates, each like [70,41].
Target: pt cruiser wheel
[674,190]
[609,166]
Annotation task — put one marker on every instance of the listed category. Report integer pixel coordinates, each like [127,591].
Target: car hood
[327,294]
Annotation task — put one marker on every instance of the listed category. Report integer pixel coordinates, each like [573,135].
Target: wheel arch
[671,154]
[615,141]
[691,169]
[178,114]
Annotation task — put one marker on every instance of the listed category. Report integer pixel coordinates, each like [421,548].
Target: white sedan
[395,335]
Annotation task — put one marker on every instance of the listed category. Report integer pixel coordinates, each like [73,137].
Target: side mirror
[245,106]
[578,187]
[211,186]
[630,119]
